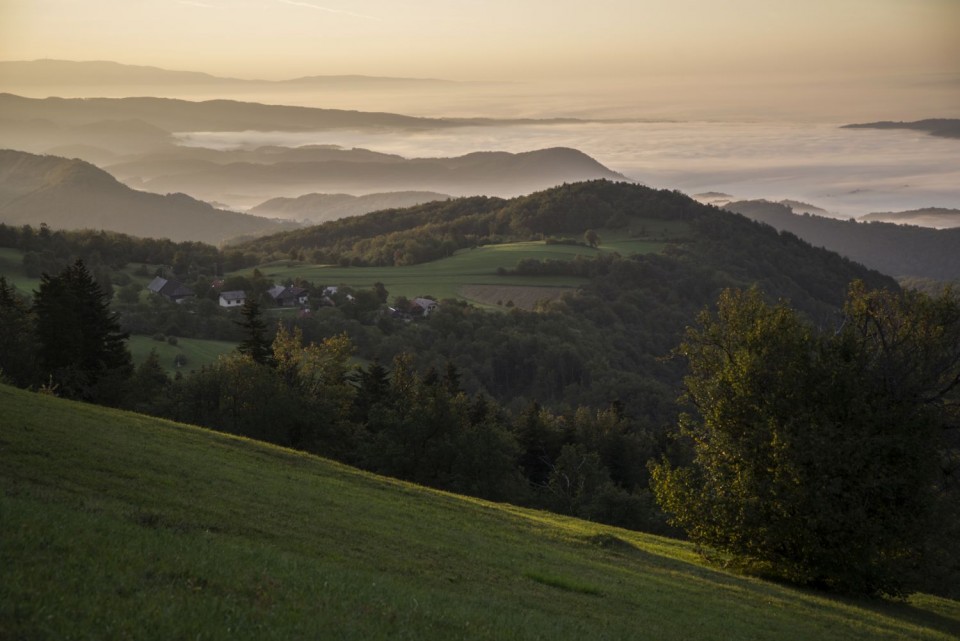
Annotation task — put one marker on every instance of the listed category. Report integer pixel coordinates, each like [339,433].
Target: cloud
[299,3]
[194,3]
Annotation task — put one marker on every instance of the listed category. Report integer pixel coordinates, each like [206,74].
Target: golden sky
[494,39]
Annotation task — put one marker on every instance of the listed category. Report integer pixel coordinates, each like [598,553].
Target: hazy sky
[493,39]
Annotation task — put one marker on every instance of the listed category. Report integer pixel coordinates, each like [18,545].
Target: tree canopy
[81,348]
[817,453]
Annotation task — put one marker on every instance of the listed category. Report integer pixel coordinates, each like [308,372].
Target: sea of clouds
[849,172]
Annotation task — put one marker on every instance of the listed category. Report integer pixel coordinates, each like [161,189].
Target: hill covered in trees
[560,408]
[899,250]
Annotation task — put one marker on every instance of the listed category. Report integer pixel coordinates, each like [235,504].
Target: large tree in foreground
[82,351]
[817,455]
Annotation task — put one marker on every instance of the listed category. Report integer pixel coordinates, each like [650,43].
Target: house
[235,298]
[288,296]
[426,305]
[172,290]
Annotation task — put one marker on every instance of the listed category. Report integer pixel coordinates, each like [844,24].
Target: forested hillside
[898,250]
[559,408]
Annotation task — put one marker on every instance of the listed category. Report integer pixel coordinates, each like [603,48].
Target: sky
[505,40]
[823,60]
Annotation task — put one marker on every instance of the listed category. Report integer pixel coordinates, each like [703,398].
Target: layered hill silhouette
[938,217]
[489,173]
[135,140]
[322,207]
[898,250]
[73,194]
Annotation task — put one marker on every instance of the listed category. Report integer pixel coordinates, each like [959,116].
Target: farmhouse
[172,290]
[235,298]
[288,296]
[426,305]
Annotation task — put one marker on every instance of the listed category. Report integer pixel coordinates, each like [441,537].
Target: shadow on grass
[871,611]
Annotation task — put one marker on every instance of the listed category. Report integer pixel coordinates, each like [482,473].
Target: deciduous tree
[816,454]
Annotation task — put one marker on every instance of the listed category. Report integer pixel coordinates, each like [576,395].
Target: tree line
[826,457]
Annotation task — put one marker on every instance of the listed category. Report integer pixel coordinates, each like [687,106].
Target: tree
[17,342]
[592,237]
[149,385]
[815,454]
[255,344]
[81,347]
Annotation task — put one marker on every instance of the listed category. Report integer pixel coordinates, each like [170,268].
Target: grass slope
[198,352]
[116,525]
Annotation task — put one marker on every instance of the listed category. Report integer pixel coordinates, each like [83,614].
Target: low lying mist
[848,172]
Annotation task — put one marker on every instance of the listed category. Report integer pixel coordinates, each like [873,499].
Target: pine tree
[255,345]
[81,347]
[17,342]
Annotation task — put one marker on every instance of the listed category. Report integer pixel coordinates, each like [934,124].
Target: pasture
[118,525]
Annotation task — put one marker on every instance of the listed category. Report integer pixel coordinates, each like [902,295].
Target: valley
[533,323]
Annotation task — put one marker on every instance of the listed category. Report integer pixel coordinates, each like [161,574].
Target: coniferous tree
[255,345]
[81,348]
[17,343]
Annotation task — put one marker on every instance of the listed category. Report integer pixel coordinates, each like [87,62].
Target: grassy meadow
[198,352]
[453,277]
[116,525]
[11,268]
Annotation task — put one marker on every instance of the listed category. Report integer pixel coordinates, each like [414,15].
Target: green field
[446,278]
[198,352]
[116,525]
[11,268]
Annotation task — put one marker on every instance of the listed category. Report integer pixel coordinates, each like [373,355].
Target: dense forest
[561,408]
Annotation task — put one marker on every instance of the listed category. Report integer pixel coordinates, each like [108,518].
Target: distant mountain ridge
[488,173]
[937,217]
[942,127]
[897,250]
[174,115]
[323,207]
[48,72]
[73,194]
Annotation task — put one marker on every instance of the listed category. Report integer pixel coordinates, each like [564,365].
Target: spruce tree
[255,345]
[81,348]
[17,343]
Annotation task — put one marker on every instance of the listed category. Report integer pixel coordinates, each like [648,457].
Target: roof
[237,294]
[169,288]
[425,303]
[278,291]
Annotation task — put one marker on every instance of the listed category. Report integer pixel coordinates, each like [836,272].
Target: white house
[234,298]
